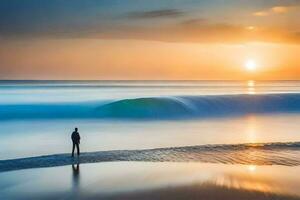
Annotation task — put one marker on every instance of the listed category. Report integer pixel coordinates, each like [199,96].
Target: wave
[159,107]
[200,106]
[287,154]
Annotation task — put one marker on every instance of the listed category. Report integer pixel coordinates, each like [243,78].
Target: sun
[252,168]
[250,65]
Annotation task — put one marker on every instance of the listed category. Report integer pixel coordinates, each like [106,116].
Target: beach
[149,100]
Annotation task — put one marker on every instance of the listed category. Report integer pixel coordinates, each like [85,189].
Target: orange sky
[152,43]
[136,59]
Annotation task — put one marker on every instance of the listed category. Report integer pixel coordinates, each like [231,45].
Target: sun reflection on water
[251,87]
[251,129]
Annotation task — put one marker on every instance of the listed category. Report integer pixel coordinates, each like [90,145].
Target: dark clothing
[77,147]
[75,137]
[76,141]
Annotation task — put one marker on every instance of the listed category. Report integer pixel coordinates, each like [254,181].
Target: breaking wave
[159,107]
[287,154]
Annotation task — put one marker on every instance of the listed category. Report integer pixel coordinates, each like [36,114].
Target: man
[76,141]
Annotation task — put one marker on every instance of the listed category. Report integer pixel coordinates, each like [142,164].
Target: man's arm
[78,138]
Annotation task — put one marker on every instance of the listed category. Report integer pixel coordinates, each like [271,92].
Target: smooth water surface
[37,117]
[142,180]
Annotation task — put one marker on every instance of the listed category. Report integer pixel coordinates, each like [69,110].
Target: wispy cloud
[276,10]
[205,32]
[194,31]
[99,20]
[194,21]
[261,13]
[165,13]
[282,9]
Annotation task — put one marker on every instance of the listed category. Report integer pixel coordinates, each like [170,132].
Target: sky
[153,40]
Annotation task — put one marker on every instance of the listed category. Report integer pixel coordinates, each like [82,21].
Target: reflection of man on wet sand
[75,169]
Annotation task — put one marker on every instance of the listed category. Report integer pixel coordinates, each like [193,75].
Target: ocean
[37,117]
[150,139]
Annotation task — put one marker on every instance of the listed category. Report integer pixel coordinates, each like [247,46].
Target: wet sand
[147,180]
[286,154]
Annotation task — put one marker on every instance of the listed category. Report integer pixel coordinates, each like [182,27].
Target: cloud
[204,32]
[194,21]
[281,9]
[165,13]
[261,13]
[187,27]
[117,19]
[193,30]
[276,10]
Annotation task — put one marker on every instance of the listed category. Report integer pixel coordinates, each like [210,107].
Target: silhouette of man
[76,141]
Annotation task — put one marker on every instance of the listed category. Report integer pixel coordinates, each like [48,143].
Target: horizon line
[79,80]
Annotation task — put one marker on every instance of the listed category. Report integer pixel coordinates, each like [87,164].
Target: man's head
[76,129]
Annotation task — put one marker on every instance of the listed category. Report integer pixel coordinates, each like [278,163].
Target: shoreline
[286,154]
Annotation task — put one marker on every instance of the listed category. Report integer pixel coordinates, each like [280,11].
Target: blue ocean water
[37,117]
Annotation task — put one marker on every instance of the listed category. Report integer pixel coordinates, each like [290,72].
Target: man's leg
[73,149]
[78,151]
